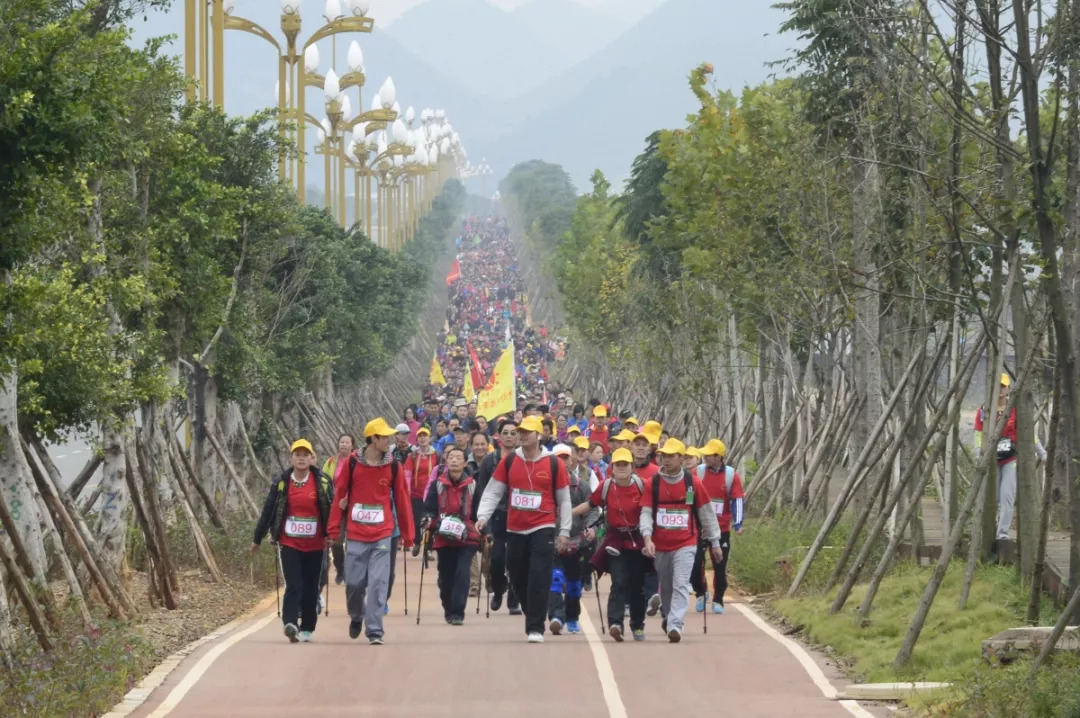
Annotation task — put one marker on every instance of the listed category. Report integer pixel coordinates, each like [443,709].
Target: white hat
[402,429]
[562,450]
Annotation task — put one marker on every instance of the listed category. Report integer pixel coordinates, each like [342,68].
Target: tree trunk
[14,476]
[111,527]
[867,337]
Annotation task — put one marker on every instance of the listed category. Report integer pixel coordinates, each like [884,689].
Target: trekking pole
[405,570]
[478,586]
[485,574]
[326,577]
[705,584]
[277,577]
[596,590]
[420,597]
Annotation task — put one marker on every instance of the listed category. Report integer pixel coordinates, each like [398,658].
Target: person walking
[725,489]
[498,584]
[295,514]
[539,491]
[418,468]
[448,510]
[675,504]
[567,576]
[346,445]
[368,487]
[1007,448]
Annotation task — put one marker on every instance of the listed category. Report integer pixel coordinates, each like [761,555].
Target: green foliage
[950,648]
[1004,692]
[86,674]
[770,549]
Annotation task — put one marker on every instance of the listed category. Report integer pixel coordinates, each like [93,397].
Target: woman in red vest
[448,511]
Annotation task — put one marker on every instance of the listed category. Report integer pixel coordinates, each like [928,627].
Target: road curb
[138,695]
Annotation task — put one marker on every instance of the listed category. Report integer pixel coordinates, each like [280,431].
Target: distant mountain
[575,30]
[491,52]
[598,114]
[630,11]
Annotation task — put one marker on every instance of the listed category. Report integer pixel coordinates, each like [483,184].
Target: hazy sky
[386,11]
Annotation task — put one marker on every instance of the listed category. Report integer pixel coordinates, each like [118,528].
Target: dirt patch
[203,607]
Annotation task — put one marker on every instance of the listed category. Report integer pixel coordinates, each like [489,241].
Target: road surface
[485,668]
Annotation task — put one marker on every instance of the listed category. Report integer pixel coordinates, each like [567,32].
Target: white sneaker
[536,638]
[654,605]
[305,636]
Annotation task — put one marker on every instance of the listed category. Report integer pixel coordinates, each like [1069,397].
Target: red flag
[477,372]
[455,273]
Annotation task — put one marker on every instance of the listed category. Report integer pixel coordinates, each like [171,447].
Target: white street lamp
[311,58]
[359,7]
[331,86]
[356,57]
[388,93]
[290,7]
[333,10]
[410,115]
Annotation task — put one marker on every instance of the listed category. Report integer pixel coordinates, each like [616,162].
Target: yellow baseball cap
[378,427]
[622,455]
[693,451]
[629,421]
[531,423]
[600,411]
[1006,380]
[302,444]
[672,446]
[624,435]
[581,442]
[423,431]
[574,429]
[652,431]
[715,447]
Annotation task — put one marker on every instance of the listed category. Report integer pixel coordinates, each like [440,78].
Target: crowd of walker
[539,502]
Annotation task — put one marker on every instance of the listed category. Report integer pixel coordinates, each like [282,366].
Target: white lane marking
[610,686]
[77,451]
[805,660]
[61,456]
[204,663]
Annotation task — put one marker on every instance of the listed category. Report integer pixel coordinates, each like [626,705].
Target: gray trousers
[367,582]
[674,569]
[1006,488]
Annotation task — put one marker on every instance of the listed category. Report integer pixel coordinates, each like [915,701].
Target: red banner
[455,273]
[477,371]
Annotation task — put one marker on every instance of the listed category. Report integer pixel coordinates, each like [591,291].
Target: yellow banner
[500,395]
[435,376]
[467,391]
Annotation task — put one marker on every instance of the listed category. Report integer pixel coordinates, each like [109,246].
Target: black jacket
[275,508]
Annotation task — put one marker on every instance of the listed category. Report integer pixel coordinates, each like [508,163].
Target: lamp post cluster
[405,159]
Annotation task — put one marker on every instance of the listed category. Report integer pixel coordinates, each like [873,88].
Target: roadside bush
[82,676]
[1007,691]
[767,554]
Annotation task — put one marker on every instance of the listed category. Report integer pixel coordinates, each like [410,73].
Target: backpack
[688,481]
[509,461]
[393,481]
[729,478]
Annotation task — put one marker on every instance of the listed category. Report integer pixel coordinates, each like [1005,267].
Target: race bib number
[301,528]
[673,519]
[718,506]
[525,500]
[452,527]
[368,514]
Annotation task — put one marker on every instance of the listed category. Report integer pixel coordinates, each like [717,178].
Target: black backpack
[688,482]
[352,468]
[509,461]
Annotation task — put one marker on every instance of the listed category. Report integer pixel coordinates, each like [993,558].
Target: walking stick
[485,573]
[478,585]
[423,567]
[405,570]
[705,583]
[596,590]
[326,575]
[277,577]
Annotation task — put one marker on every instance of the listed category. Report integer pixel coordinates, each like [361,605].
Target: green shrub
[1007,691]
[767,554]
[84,675]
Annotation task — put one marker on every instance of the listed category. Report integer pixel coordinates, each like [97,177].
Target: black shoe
[339,579]
[515,610]
[457,621]
[415,550]
[496,602]
[355,627]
